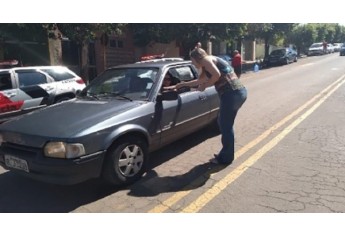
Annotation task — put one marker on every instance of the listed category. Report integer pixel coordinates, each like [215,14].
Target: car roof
[153,63]
[33,68]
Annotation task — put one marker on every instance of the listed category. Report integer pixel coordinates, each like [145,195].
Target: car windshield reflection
[125,83]
[278,52]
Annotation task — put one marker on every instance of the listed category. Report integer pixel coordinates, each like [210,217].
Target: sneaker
[214,161]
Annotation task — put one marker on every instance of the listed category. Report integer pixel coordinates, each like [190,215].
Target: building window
[113,43]
[120,44]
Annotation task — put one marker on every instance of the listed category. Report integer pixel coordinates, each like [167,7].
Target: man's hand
[173,87]
[201,87]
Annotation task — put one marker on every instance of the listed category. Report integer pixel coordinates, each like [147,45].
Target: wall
[118,50]
[168,49]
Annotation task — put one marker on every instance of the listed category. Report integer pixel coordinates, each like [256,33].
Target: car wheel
[126,161]
[295,60]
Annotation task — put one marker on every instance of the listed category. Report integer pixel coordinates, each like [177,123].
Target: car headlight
[64,150]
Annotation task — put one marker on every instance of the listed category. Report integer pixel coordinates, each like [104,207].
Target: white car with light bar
[23,89]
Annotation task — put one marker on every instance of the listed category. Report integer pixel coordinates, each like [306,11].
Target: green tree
[24,42]
[23,32]
[186,34]
[270,32]
[83,34]
[303,36]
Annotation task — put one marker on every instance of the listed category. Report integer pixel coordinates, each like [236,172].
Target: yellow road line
[210,194]
[179,195]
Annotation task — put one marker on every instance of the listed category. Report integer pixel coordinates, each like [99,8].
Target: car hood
[68,118]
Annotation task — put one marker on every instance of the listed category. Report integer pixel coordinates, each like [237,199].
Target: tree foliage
[186,35]
[85,32]
[23,32]
[303,35]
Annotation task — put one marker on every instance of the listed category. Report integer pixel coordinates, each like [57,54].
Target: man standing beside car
[236,63]
[324,46]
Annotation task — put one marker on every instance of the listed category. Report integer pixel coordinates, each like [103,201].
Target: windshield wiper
[90,95]
[113,94]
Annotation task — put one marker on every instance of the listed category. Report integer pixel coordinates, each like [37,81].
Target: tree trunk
[84,69]
[55,46]
[1,50]
[55,51]
[267,47]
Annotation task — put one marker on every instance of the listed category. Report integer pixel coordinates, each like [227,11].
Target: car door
[33,88]
[291,55]
[186,114]
[8,93]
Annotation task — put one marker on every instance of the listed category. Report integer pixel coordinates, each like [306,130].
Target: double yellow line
[211,193]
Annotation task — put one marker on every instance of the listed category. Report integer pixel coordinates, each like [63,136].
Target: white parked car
[23,89]
[337,47]
[316,49]
[330,48]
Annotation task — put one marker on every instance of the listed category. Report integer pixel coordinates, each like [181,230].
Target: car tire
[126,161]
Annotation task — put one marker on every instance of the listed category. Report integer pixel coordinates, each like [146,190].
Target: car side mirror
[169,95]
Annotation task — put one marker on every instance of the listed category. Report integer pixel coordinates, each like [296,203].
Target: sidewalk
[248,67]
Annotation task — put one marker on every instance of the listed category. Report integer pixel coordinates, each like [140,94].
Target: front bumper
[315,52]
[56,171]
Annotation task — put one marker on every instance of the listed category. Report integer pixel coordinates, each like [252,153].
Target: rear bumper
[60,171]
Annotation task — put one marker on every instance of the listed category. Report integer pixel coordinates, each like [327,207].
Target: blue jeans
[230,102]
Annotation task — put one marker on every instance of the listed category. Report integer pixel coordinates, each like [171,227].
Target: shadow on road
[21,195]
[153,185]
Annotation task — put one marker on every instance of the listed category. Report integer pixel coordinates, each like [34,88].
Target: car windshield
[316,45]
[278,52]
[122,83]
[58,73]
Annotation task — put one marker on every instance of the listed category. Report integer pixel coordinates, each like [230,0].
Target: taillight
[80,81]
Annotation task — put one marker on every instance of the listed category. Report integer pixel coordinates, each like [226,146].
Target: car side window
[58,75]
[5,81]
[183,73]
[27,78]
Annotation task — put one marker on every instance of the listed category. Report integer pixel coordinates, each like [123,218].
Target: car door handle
[202,97]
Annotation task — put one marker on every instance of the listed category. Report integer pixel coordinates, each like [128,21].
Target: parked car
[316,49]
[336,47]
[330,48]
[23,89]
[342,50]
[110,128]
[225,57]
[282,56]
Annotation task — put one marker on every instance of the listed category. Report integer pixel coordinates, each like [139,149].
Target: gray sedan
[109,130]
